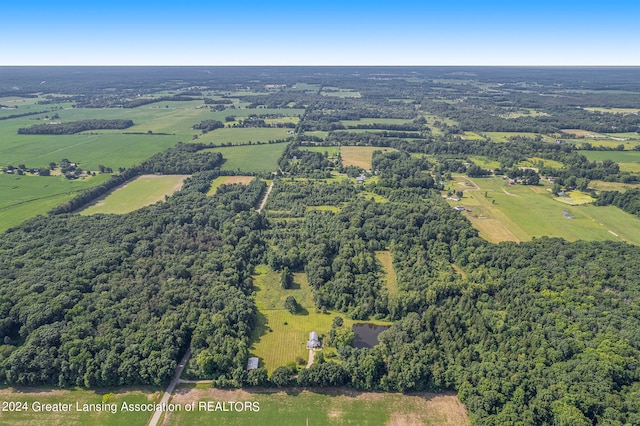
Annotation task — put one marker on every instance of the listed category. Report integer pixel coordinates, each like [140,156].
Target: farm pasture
[142,191]
[518,213]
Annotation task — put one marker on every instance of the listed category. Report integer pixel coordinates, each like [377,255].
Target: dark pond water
[367,334]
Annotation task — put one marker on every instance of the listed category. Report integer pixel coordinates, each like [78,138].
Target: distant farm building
[252,364]
[314,341]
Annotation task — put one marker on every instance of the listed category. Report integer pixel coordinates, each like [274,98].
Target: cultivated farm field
[251,158]
[518,213]
[23,197]
[359,156]
[142,191]
[80,396]
[339,406]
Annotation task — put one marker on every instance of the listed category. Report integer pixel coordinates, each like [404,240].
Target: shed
[252,364]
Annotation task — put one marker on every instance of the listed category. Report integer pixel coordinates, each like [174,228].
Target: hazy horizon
[402,33]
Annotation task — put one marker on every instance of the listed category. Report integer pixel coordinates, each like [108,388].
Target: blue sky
[399,32]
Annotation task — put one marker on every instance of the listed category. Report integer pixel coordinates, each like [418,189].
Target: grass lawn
[251,158]
[80,396]
[279,336]
[360,156]
[518,213]
[140,192]
[385,259]
[339,406]
[24,197]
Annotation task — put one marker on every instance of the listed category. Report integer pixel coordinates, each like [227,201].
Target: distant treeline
[74,127]
[24,114]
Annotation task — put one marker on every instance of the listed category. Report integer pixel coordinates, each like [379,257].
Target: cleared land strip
[264,200]
[167,394]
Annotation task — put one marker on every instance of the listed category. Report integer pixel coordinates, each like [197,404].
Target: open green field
[34,396]
[237,135]
[360,156]
[629,161]
[518,213]
[280,336]
[332,151]
[142,191]
[385,259]
[299,407]
[617,156]
[24,197]
[251,158]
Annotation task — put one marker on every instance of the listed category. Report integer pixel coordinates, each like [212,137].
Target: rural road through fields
[170,388]
[264,200]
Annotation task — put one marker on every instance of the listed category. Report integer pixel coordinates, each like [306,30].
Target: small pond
[366,335]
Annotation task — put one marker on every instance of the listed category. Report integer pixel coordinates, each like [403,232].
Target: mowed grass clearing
[360,156]
[251,158]
[24,197]
[518,213]
[339,406]
[140,192]
[81,396]
[280,336]
[386,260]
[228,180]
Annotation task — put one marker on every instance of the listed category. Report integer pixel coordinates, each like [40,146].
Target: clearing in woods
[280,336]
[140,192]
[228,180]
[384,257]
[360,156]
